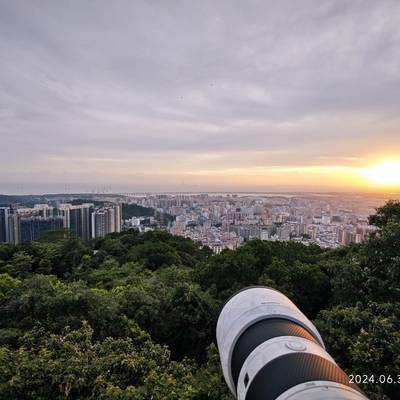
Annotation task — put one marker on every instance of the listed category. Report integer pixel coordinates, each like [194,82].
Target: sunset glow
[385,174]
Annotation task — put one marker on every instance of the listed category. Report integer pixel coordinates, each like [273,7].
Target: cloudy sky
[206,95]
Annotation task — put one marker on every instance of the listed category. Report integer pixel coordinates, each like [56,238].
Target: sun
[385,174]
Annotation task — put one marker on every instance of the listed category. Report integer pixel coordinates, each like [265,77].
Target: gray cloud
[178,86]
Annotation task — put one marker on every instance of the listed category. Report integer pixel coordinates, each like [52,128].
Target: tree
[74,366]
[154,255]
[187,320]
[20,264]
[365,340]
[390,212]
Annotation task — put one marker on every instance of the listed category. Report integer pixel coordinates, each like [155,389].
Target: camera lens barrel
[270,350]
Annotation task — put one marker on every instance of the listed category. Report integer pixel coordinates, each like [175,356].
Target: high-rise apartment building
[99,224]
[23,224]
[4,224]
[80,221]
[63,212]
[33,228]
[118,217]
[43,210]
[14,228]
[106,220]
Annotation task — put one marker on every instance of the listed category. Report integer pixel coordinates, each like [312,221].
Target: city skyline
[219,221]
[174,96]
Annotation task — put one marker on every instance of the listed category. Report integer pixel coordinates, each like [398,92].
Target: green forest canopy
[135,319]
[136,210]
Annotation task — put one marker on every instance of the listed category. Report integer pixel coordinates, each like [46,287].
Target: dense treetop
[132,316]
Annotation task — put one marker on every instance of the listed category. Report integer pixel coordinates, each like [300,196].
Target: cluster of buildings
[220,221]
[86,221]
[141,224]
[228,220]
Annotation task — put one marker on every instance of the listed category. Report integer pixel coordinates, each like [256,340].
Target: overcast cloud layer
[175,95]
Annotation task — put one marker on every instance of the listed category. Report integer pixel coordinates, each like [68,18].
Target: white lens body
[268,351]
[260,351]
[246,308]
[321,390]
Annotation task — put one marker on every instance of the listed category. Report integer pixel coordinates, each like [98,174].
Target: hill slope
[136,318]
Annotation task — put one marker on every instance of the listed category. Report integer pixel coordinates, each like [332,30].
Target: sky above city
[208,95]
